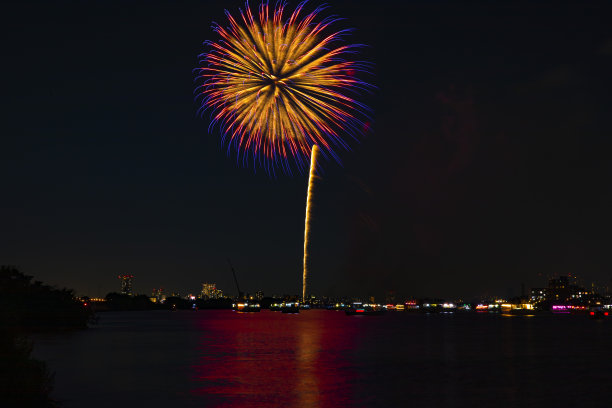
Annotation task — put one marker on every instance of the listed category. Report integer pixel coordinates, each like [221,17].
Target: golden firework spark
[277,86]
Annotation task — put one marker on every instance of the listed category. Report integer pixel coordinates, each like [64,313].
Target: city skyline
[210,290]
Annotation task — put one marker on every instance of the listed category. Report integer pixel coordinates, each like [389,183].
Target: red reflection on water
[270,359]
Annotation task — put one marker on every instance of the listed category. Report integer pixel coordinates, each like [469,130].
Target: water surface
[318,358]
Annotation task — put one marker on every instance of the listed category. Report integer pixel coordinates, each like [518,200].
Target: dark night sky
[488,164]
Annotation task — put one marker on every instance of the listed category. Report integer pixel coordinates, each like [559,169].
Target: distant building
[564,289]
[538,295]
[126,284]
[259,295]
[210,291]
[561,290]
[159,295]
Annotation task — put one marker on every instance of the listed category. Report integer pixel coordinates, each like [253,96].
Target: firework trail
[311,177]
[277,86]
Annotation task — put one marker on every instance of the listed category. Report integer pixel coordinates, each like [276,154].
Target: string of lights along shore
[275,84]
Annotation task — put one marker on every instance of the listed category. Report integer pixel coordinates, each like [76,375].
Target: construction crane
[240,294]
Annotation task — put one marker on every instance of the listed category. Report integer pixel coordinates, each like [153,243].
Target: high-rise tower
[126,284]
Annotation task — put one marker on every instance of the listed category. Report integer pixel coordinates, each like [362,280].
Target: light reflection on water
[272,359]
[326,359]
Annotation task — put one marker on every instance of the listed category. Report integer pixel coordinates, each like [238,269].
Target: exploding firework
[277,86]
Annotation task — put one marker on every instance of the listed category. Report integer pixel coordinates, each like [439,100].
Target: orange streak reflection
[270,359]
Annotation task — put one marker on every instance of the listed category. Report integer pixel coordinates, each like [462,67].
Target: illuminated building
[564,289]
[259,295]
[126,284]
[158,295]
[538,294]
[207,290]
[210,291]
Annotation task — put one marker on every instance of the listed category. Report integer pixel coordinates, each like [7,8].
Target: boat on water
[364,309]
[290,307]
[517,309]
[246,307]
[598,313]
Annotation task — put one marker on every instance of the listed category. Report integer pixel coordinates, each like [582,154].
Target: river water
[319,358]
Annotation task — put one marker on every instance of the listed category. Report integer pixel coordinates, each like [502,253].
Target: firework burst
[277,86]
